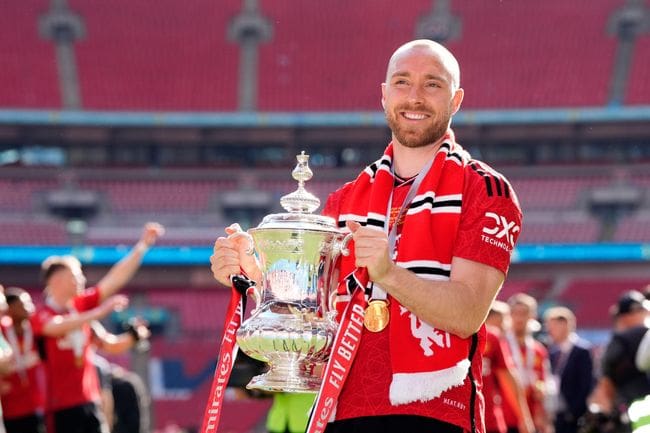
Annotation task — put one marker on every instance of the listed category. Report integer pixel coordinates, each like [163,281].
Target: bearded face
[417,126]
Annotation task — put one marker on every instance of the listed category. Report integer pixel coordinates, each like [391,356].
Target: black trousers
[85,418]
[392,424]
[34,423]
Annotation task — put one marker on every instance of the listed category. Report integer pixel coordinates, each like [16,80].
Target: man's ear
[457,100]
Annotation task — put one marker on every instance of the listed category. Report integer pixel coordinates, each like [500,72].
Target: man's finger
[353,226]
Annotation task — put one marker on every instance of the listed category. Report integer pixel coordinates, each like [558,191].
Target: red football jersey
[24,395]
[71,375]
[489,227]
[534,379]
[495,357]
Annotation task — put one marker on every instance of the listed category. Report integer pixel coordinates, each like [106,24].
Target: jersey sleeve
[490,221]
[334,201]
[498,359]
[39,319]
[614,352]
[88,300]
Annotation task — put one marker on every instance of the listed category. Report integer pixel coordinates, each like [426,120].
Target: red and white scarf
[425,361]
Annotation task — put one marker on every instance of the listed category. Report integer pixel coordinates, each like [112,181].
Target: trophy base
[286,379]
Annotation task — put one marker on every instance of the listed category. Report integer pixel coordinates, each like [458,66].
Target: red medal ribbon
[227,354]
[344,350]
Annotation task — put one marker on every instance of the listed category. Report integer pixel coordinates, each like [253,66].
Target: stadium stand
[28,74]
[633,228]
[638,90]
[554,193]
[21,195]
[590,299]
[126,63]
[529,77]
[537,287]
[189,197]
[560,227]
[33,233]
[201,312]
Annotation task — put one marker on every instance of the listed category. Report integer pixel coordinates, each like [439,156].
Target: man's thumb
[353,226]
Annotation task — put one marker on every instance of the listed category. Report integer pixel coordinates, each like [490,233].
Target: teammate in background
[5,353]
[125,401]
[23,399]
[500,382]
[64,324]
[621,382]
[572,367]
[433,234]
[531,361]
[289,412]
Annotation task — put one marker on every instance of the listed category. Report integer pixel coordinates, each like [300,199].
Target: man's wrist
[133,332]
[141,247]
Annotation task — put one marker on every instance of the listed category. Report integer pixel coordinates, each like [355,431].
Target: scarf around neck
[425,361]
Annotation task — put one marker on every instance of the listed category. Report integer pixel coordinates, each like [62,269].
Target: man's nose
[415,94]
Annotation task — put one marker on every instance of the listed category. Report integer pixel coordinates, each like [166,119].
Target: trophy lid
[299,205]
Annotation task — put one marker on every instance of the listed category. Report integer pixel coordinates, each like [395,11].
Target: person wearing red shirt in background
[531,361]
[73,392]
[6,355]
[433,269]
[23,397]
[500,383]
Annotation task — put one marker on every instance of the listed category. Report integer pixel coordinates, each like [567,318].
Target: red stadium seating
[34,232]
[633,228]
[638,87]
[20,195]
[537,288]
[568,66]
[554,193]
[590,299]
[179,196]
[180,57]
[200,312]
[163,56]
[559,227]
[28,74]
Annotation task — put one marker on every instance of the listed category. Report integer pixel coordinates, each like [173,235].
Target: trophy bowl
[293,326]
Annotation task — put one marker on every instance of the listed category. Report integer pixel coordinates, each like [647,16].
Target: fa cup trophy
[293,325]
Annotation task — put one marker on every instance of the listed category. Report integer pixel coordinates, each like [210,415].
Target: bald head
[431,48]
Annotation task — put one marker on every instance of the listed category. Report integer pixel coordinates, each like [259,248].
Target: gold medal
[377,315]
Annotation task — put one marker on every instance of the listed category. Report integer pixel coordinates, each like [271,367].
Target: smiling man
[433,232]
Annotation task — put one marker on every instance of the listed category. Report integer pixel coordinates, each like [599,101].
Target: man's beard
[415,137]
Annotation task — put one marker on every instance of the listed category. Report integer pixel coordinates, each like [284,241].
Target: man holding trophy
[430,232]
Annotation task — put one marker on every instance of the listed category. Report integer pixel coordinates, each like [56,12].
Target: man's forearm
[117,344]
[458,306]
[61,325]
[120,274]
[445,305]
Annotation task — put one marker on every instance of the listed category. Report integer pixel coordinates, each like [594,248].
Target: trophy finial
[301,201]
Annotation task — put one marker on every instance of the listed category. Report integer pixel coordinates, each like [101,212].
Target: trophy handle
[343,248]
[331,304]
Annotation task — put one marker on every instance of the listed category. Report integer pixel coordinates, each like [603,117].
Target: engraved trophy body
[292,327]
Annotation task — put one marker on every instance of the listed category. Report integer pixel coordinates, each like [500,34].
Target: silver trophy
[292,327]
